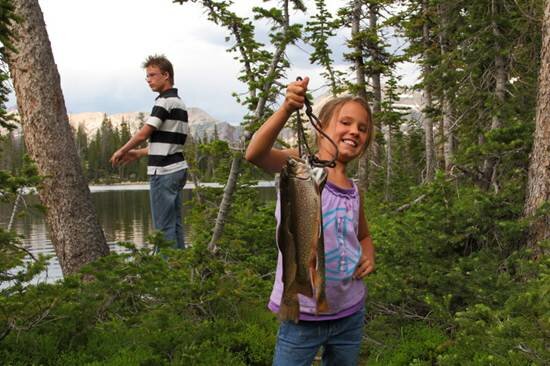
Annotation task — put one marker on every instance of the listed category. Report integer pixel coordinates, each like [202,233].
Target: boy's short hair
[162,63]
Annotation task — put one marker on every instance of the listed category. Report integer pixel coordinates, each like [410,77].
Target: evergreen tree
[537,203]
[261,68]
[318,30]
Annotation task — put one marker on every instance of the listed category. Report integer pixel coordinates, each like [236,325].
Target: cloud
[99,47]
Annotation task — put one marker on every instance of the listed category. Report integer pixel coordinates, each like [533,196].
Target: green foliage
[514,331]
[318,31]
[451,268]
[409,343]
[184,307]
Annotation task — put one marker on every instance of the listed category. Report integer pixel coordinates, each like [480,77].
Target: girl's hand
[364,267]
[295,95]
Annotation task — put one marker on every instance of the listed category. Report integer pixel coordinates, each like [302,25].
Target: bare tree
[447,110]
[356,44]
[491,164]
[253,58]
[74,228]
[427,121]
[538,186]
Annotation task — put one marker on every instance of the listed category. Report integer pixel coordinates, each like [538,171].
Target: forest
[457,202]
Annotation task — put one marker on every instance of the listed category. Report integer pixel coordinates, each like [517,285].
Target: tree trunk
[71,217]
[361,81]
[427,125]
[448,138]
[491,164]
[231,185]
[389,162]
[376,82]
[373,152]
[228,193]
[538,186]
[427,121]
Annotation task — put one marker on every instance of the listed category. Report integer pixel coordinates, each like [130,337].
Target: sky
[99,47]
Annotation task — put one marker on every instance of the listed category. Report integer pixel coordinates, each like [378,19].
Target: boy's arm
[139,137]
[260,150]
[366,263]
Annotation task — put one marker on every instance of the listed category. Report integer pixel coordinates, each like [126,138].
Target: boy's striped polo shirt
[169,117]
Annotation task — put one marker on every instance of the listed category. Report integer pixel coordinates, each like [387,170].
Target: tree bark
[427,121]
[361,81]
[538,186]
[490,165]
[376,82]
[225,205]
[448,138]
[373,152]
[71,217]
[389,162]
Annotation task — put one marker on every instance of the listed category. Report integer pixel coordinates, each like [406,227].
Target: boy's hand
[295,95]
[131,155]
[122,159]
[117,157]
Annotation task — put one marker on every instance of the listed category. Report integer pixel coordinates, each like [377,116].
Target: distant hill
[200,123]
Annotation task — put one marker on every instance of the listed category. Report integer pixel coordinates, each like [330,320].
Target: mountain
[200,123]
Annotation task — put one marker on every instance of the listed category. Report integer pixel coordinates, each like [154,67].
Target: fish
[300,237]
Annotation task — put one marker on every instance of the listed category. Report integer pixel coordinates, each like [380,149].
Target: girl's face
[348,128]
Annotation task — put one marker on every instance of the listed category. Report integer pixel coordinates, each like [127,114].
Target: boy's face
[158,81]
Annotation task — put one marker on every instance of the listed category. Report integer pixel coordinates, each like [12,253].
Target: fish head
[297,168]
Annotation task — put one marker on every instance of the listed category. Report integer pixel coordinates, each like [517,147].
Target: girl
[349,251]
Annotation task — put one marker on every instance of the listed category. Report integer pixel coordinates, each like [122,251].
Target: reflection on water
[123,212]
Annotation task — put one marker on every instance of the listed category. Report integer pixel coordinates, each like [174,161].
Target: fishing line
[302,140]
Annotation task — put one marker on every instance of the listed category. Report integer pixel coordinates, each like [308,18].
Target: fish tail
[320,295]
[322,304]
[290,308]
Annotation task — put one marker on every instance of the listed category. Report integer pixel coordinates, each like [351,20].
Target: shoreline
[144,186]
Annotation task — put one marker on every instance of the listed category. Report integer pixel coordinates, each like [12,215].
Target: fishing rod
[302,140]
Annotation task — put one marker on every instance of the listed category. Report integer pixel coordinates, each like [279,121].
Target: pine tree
[318,30]
[538,187]
[261,68]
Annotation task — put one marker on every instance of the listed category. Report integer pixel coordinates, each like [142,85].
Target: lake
[123,211]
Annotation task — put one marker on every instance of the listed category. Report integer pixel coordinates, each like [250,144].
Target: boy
[167,130]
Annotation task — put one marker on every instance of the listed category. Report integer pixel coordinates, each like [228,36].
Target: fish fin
[290,308]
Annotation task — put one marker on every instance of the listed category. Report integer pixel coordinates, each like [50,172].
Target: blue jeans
[297,344]
[165,195]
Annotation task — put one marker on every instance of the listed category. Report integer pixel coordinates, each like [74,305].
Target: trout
[300,237]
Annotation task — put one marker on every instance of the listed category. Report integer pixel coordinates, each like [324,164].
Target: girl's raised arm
[260,150]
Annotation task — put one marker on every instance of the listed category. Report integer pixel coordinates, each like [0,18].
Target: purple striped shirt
[345,295]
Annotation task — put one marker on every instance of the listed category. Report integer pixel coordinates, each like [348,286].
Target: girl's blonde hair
[334,106]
